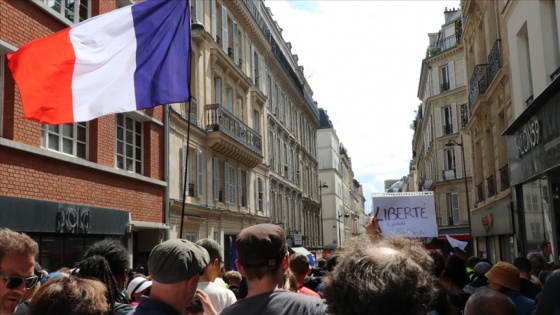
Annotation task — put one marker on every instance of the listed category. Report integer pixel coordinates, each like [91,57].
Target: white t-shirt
[220,297]
[219,281]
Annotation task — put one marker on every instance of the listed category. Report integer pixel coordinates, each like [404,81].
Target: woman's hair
[70,296]
[289,282]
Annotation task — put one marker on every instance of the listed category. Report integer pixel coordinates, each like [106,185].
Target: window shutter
[458,162]
[199,5]
[218,90]
[214,19]
[225,39]
[455,209]
[253,64]
[451,70]
[248,188]
[239,188]
[235,43]
[261,73]
[186,168]
[443,209]
[454,117]
[227,180]
[441,165]
[216,179]
[438,126]
[435,80]
[200,179]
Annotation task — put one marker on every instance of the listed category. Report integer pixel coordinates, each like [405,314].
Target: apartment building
[532,36]
[342,200]
[440,142]
[70,185]
[247,138]
[241,152]
[490,107]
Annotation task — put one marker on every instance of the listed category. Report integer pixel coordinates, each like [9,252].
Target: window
[129,144]
[239,107]
[452,201]
[444,78]
[535,231]
[256,121]
[72,11]
[447,120]
[218,90]
[531,203]
[191,237]
[229,99]
[69,139]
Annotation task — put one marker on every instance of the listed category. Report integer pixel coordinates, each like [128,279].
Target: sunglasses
[13,282]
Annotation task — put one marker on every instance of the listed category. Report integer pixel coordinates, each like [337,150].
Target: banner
[406,214]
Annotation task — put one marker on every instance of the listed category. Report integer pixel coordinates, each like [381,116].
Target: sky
[362,60]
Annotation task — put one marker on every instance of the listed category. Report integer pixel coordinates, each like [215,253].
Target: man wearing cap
[479,282]
[17,262]
[175,266]
[219,296]
[504,277]
[263,258]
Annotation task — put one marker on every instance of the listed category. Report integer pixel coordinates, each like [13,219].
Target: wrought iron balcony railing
[220,119]
[494,62]
[465,115]
[478,83]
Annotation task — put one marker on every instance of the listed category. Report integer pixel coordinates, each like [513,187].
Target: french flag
[133,58]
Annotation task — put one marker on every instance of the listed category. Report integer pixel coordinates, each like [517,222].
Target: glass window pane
[51,253]
[120,163]
[68,130]
[129,138]
[120,133]
[139,167]
[128,123]
[138,126]
[128,150]
[67,146]
[138,140]
[81,150]
[53,128]
[120,119]
[81,134]
[119,148]
[73,251]
[53,142]
[138,153]
[129,165]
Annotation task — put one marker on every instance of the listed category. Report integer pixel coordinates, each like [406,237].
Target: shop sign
[528,137]
[72,219]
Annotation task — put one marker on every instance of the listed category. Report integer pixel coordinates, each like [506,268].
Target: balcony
[465,116]
[230,136]
[494,62]
[443,44]
[504,178]
[478,83]
[491,186]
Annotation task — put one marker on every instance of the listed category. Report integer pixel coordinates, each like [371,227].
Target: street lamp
[321,186]
[346,215]
[453,143]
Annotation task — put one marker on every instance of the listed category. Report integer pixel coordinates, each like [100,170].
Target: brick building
[70,185]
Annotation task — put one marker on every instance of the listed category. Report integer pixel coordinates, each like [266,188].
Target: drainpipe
[166,168]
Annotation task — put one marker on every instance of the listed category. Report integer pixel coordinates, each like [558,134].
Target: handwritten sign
[406,214]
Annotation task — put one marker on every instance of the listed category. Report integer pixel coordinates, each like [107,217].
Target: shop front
[493,231]
[533,141]
[63,231]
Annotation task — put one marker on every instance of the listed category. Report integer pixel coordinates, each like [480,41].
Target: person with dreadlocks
[107,261]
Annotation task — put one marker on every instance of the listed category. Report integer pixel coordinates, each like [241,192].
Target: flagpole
[199,29]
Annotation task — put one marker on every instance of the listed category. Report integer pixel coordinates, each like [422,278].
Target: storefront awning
[461,237]
[304,251]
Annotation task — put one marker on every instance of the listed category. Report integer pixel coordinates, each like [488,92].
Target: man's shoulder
[277,302]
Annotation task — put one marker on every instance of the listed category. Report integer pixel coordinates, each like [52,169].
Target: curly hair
[389,277]
[15,243]
[70,296]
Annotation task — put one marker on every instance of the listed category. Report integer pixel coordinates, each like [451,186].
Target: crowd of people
[378,276]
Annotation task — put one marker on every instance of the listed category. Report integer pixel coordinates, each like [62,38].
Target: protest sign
[406,214]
